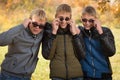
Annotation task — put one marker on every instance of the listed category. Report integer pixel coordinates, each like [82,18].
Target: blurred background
[13,12]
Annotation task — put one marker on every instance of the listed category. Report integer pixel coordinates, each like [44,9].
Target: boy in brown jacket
[62,46]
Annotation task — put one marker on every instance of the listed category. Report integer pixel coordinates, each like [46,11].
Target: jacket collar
[90,33]
[62,31]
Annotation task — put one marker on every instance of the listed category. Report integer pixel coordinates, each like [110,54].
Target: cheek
[39,30]
[31,28]
[84,23]
[92,24]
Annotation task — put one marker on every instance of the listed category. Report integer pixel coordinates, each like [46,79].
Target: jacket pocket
[9,63]
[106,75]
[31,68]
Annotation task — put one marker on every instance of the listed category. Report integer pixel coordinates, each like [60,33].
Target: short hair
[65,8]
[38,12]
[89,10]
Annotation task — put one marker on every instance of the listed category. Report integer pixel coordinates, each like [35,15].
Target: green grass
[115,62]
[42,69]
[116,33]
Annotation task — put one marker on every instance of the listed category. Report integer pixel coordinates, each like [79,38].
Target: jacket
[98,50]
[22,55]
[62,50]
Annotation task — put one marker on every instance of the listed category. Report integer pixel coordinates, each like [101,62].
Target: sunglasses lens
[91,20]
[61,18]
[67,18]
[34,24]
[41,26]
[84,20]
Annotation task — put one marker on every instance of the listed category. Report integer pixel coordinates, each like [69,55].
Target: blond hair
[64,8]
[38,12]
[89,10]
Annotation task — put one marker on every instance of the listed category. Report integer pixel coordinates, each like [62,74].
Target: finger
[95,25]
[54,21]
[70,22]
[57,19]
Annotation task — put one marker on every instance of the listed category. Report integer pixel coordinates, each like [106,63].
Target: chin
[63,27]
[87,28]
[36,33]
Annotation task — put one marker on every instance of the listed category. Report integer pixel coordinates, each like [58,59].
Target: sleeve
[47,44]
[79,46]
[108,43]
[7,37]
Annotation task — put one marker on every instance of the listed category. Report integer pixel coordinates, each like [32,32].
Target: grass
[115,61]
[42,69]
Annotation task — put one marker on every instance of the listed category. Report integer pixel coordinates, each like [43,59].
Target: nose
[37,27]
[87,22]
[64,21]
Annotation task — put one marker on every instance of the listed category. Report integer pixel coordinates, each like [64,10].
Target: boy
[99,45]
[63,45]
[23,46]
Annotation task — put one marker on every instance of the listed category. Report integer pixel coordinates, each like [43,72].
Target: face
[88,21]
[63,18]
[37,25]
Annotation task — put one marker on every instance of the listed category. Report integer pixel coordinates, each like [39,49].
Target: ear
[96,17]
[81,18]
[45,19]
[30,17]
[70,16]
[55,15]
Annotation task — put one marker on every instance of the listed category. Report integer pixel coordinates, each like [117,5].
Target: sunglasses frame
[62,18]
[41,26]
[86,20]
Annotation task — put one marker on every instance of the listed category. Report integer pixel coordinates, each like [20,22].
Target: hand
[26,22]
[78,30]
[55,25]
[73,28]
[97,24]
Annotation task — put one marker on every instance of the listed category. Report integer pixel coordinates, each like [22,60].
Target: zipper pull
[89,31]
[90,35]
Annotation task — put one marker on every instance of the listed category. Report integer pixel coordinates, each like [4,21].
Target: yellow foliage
[16,10]
[9,3]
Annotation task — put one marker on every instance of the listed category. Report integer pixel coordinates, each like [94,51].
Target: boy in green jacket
[62,45]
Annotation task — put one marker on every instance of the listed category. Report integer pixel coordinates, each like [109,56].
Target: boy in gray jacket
[23,46]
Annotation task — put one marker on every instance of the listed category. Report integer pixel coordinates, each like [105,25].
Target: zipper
[91,54]
[65,57]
